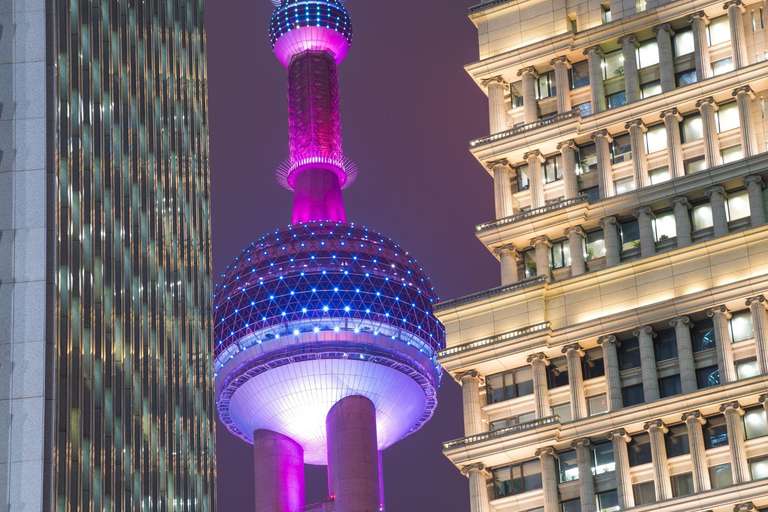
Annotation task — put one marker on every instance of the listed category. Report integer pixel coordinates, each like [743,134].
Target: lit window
[737,205]
[580,74]
[685,78]
[551,169]
[624,185]
[701,216]
[741,326]
[517,478]
[659,175]
[731,154]
[603,458]
[692,127]
[682,485]
[606,12]
[621,149]
[754,423]
[664,226]
[587,159]
[721,476]
[747,369]
[759,469]
[560,254]
[523,181]
[630,234]
[545,85]
[695,165]
[616,100]
[655,139]
[639,5]
[727,117]
[718,30]
[650,89]
[648,54]
[613,65]
[722,66]
[597,404]
[529,261]
[568,470]
[683,40]
[563,411]
[595,245]
[512,384]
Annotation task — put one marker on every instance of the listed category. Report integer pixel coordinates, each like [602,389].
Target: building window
[721,476]
[670,386]
[759,468]
[718,30]
[557,373]
[650,89]
[523,180]
[603,460]
[684,78]
[592,365]
[529,263]
[701,217]
[571,505]
[731,154]
[682,485]
[747,369]
[545,85]
[741,326]
[613,64]
[703,334]
[633,395]
[585,109]
[560,254]
[512,384]
[616,100]
[639,450]
[692,128]
[676,441]
[630,234]
[715,432]
[605,12]
[664,226]
[683,41]
[512,421]
[723,66]
[727,117]
[587,159]
[754,423]
[597,404]
[629,354]
[552,170]
[644,493]
[707,377]
[624,185]
[655,139]
[648,53]
[659,175]
[695,165]
[665,345]
[517,478]
[737,205]
[608,501]
[563,411]
[592,193]
[579,74]
[568,469]
[595,245]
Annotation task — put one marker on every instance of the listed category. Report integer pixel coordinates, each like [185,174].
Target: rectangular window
[592,193]
[605,10]
[692,128]
[644,493]
[557,373]
[747,369]
[684,78]
[571,505]
[603,458]
[759,468]
[683,42]
[670,386]
[560,254]
[665,345]
[579,74]
[650,89]
[664,226]
[727,116]
[595,245]
[630,234]
[655,138]
[676,441]
[682,485]
[707,377]
[512,421]
[529,262]
[741,326]
[695,165]
[737,205]
[633,395]
[648,54]
[639,450]
[613,65]
[731,154]
[597,404]
[517,478]
[585,109]
[608,501]
[718,30]
[624,185]
[715,432]
[754,423]
[552,169]
[592,365]
[723,66]
[701,216]
[703,335]
[587,159]
[639,5]
[523,180]
[545,85]
[568,470]
[721,476]
[616,100]
[507,385]
[629,354]
[563,411]
[659,175]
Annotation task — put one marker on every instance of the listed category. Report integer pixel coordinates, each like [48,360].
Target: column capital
[754,178]
[591,49]
[491,164]
[629,38]
[497,251]
[473,374]
[693,415]
[760,299]
[575,229]
[722,310]
[735,3]
[546,450]
[680,200]
[573,346]
[744,89]
[762,398]
[608,338]
[498,79]
[681,320]
[530,70]
[744,507]
[643,210]
[583,441]
[671,112]
[619,433]
[477,466]
[645,329]
[567,144]
[698,15]
[706,101]
[541,239]
[717,189]
[601,133]
[607,221]
[560,60]
[665,27]
[656,424]
[636,122]
[539,356]
[735,405]
[535,154]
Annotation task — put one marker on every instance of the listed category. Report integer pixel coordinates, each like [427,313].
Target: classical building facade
[623,362]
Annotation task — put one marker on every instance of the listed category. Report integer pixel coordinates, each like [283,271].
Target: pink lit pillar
[279,472]
[353,455]
[317,197]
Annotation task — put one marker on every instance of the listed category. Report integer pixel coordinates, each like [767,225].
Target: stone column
[699,22]
[733,424]
[708,107]
[645,216]
[629,46]
[672,120]
[576,237]
[744,96]
[561,66]
[279,472]
[612,373]
[619,439]
[595,56]
[568,150]
[664,35]
[541,244]
[656,430]
[720,316]
[470,396]
[763,399]
[497,109]
[680,207]
[694,421]
[683,326]
[735,10]
[716,196]
[502,187]
[535,160]
[611,238]
[530,104]
[603,140]
[549,478]
[539,362]
[478,492]
[639,159]
[573,354]
[756,306]
[645,337]
[586,479]
[508,257]
[755,186]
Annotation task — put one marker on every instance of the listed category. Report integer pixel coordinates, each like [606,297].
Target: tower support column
[478,493]
[279,472]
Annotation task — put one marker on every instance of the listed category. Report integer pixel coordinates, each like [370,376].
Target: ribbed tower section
[326,342]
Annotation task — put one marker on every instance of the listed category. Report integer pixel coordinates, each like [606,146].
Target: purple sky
[408,111]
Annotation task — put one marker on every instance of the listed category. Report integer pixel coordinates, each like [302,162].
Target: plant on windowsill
[636,244]
[663,237]
[590,254]
[530,268]
[619,71]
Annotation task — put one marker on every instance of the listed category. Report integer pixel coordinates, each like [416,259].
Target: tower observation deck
[326,342]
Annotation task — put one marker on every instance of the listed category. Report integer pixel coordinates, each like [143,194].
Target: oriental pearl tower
[325,338]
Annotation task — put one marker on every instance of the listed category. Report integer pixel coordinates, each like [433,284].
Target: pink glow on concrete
[353,457]
[381,481]
[279,472]
[317,197]
[311,38]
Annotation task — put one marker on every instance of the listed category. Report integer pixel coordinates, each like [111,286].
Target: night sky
[408,111]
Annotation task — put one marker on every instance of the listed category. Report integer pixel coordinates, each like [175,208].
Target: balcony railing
[486,5]
[323,506]
[526,127]
[556,205]
[501,337]
[530,281]
[493,434]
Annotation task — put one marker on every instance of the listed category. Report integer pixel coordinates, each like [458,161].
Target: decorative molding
[680,200]
[530,70]
[656,424]
[608,338]
[746,89]
[645,329]
[575,229]
[573,346]
[636,122]
[683,320]
[735,405]
[695,415]
[665,27]
[718,310]
[717,189]
[707,101]
[619,433]
[485,82]
[601,133]
[671,112]
[643,210]
[607,221]
[539,356]
[546,450]
[754,178]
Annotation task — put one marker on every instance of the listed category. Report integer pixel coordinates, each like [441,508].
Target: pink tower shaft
[279,472]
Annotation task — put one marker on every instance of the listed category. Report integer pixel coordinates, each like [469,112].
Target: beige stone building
[623,362]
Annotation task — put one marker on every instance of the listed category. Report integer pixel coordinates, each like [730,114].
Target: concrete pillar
[699,22]
[744,96]
[502,188]
[694,421]
[664,35]
[683,325]
[656,430]
[756,306]
[597,87]
[561,66]
[755,186]
[530,104]
[508,256]
[549,478]
[735,10]
[619,439]
[637,130]
[720,316]
[645,216]
[353,455]
[541,245]
[629,46]
[470,398]
[535,160]
[478,493]
[539,362]
[279,472]
[573,354]
[381,481]
[611,238]
[603,140]
[576,237]
[497,109]
[708,107]
[716,196]
[672,120]
[680,207]
[733,424]
[568,151]
[612,373]
[650,374]
[586,479]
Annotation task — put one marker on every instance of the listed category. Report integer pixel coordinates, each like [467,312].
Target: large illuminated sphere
[318,312]
[301,25]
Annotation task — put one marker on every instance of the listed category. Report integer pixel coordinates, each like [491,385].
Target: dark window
[665,345]
[571,506]
[715,432]
[585,108]
[644,493]
[682,485]
[517,478]
[608,500]
[592,193]
[592,363]
[603,458]
[557,373]
[639,449]
[676,440]
[587,158]
[567,467]
[630,235]
[560,254]
[685,78]
[670,386]
[621,149]
[629,354]
[721,476]
[579,74]
[512,384]
[703,335]
[616,100]
[707,377]
[633,395]
[529,261]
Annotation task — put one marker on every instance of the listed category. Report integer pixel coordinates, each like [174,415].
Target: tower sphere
[301,25]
